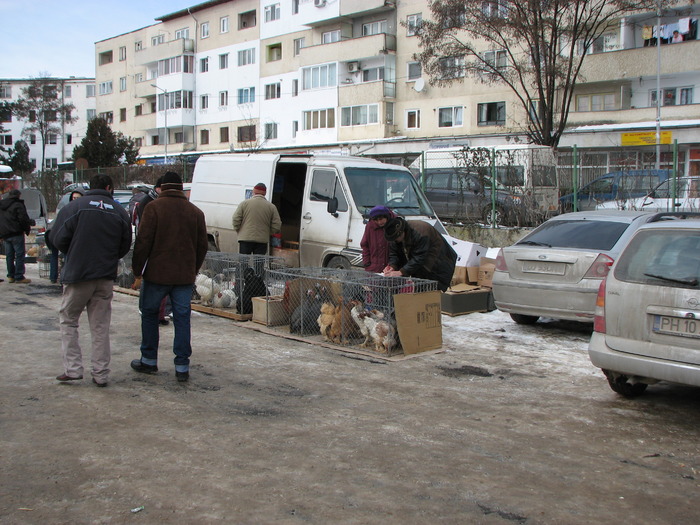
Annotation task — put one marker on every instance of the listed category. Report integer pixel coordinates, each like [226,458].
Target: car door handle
[307,216]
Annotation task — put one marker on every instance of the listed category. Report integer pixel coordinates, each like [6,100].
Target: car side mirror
[332,207]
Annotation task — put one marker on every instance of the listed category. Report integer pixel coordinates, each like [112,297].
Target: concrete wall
[489,237]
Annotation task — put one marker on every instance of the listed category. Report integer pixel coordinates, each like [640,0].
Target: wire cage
[351,308]
[230,280]
[125,275]
[43,260]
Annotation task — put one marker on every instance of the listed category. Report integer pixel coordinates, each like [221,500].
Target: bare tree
[534,47]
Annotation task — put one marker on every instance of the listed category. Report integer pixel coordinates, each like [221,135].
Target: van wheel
[524,319]
[338,261]
[619,383]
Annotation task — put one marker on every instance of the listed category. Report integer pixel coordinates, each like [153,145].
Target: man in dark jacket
[14,224]
[417,249]
[168,253]
[94,232]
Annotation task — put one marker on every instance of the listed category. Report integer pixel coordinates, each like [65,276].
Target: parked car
[647,322]
[614,186]
[555,271]
[685,197]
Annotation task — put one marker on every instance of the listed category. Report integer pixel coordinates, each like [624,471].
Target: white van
[323,201]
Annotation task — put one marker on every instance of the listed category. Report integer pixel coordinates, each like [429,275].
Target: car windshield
[589,235]
[397,190]
[662,258]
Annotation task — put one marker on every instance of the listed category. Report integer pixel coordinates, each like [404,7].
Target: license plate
[676,326]
[550,268]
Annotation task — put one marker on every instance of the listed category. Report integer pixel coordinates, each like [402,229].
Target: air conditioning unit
[319,3]
[353,67]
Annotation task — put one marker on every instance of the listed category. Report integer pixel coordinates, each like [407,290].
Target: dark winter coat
[13,218]
[94,232]
[375,247]
[424,253]
[172,240]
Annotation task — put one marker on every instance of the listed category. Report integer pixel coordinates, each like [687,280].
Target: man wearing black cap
[417,249]
[255,220]
[14,224]
[168,253]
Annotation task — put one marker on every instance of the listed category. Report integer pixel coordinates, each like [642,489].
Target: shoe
[163,322]
[54,282]
[101,385]
[182,377]
[10,279]
[22,281]
[64,377]
[137,365]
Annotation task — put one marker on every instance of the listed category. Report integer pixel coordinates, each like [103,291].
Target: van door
[322,231]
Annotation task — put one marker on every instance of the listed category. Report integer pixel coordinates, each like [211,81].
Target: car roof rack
[674,215]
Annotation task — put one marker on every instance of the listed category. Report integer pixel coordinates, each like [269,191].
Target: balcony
[648,114]
[352,94]
[349,49]
[365,7]
[173,48]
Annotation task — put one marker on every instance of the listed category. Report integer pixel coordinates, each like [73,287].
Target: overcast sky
[48,36]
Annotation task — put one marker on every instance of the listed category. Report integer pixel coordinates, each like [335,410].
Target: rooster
[325,320]
[224,299]
[343,329]
[382,332]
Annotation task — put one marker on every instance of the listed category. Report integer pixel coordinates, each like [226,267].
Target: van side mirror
[332,207]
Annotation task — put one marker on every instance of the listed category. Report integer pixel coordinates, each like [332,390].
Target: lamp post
[165,108]
[658,85]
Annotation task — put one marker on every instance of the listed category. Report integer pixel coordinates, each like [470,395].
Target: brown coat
[172,240]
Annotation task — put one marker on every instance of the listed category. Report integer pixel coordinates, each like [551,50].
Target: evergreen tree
[102,148]
[19,158]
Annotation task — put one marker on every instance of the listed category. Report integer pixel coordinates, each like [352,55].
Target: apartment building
[340,76]
[59,147]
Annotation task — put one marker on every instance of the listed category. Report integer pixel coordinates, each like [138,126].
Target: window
[5,91]
[272,12]
[450,117]
[107,116]
[672,96]
[389,113]
[246,95]
[105,88]
[204,102]
[246,56]
[295,128]
[374,28]
[67,91]
[372,74]
[223,61]
[494,8]
[204,65]
[179,137]
[330,36]
[223,134]
[596,102]
[246,133]
[52,138]
[319,118]
[50,164]
[295,7]
[175,100]
[298,46]
[138,142]
[122,53]
[223,98]
[90,90]
[104,58]
[122,84]
[176,65]
[182,33]
[138,77]
[122,114]
[204,30]
[274,52]
[491,114]
[204,136]
[91,114]
[413,119]
[32,137]
[413,24]
[5,114]
[50,115]
[6,140]
[247,19]
[138,110]
[359,115]
[138,46]
[451,67]
[223,26]
[415,70]
[273,91]
[270,130]
[155,140]
[69,138]
[326,186]
[497,59]
[32,116]
[157,40]
[319,76]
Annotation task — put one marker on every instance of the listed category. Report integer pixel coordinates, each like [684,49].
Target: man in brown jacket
[168,253]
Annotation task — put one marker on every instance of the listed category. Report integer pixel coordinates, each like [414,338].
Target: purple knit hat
[379,211]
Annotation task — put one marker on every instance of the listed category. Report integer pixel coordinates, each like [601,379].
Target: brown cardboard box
[465,299]
[269,311]
[486,272]
[472,274]
[460,275]
[418,321]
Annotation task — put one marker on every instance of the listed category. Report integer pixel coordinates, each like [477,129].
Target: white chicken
[358,315]
[224,299]
[382,332]
[206,287]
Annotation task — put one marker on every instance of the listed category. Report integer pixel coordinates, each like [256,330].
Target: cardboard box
[270,311]
[465,299]
[472,274]
[460,275]
[468,253]
[486,270]
[418,321]
[290,256]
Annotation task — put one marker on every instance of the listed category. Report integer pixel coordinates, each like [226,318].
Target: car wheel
[498,215]
[338,261]
[524,319]
[619,383]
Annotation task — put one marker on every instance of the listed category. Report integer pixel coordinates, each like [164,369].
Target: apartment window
[122,84]
[91,114]
[359,115]
[295,128]
[223,25]
[122,53]
[273,91]
[497,59]
[672,96]
[5,114]
[204,65]
[319,118]
[223,98]
[270,130]
[204,30]
[122,114]
[138,77]
[246,95]
[52,138]
[272,12]
[182,33]
[50,164]
[223,61]
[374,28]
[179,137]
[204,102]
[90,90]
[295,7]
[451,67]
[319,76]
[175,100]
[138,110]
[372,74]
[105,88]
[32,116]
[108,116]
[415,70]
[596,102]
[494,8]
[330,36]
[298,46]
[295,87]
[32,138]
[204,136]
[246,133]
[69,138]
[105,58]
[176,65]
[413,24]
[491,114]
[138,142]
[274,52]
[450,117]
[153,107]
[247,19]
[67,91]
[157,40]
[138,46]
[388,113]
[602,44]
[5,140]
[246,56]
[5,91]
[413,119]
[223,134]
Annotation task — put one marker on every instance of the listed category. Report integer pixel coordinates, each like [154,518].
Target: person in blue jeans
[14,224]
[169,251]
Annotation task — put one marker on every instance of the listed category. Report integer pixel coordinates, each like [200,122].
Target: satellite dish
[419,85]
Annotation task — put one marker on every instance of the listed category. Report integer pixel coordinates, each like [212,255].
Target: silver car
[647,323]
[556,269]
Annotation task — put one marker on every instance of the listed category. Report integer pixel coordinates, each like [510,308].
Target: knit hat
[379,211]
[159,182]
[394,228]
[260,187]
[14,193]
[171,181]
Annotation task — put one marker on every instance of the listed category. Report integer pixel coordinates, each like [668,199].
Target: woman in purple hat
[375,248]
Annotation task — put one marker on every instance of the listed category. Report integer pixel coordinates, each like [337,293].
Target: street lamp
[165,108]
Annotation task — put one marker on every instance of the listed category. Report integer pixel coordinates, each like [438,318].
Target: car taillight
[600,267]
[501,265]
[599,319]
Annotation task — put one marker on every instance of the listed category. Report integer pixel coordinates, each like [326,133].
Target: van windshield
[397,190]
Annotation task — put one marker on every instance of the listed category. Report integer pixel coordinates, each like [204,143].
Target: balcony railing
[173,48]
